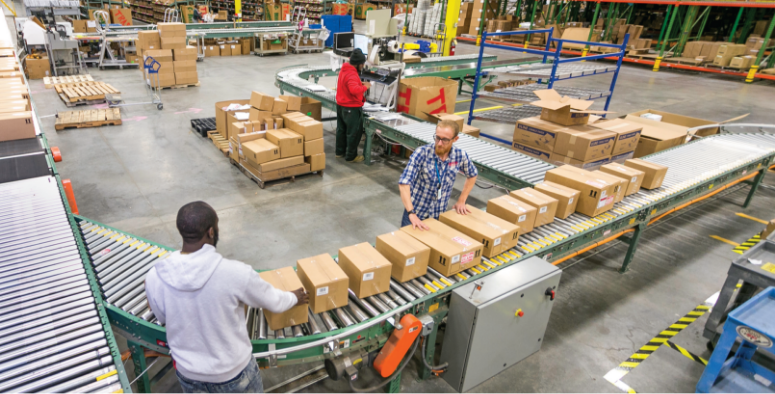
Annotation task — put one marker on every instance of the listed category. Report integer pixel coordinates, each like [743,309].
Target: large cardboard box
[287,280]
[16,126]
[148,40]
[313,147]
[627,134]
[316,162]
[427,95]
[121,16]
[185,72]
[279,164]
[310,129]
[654,173]
[325,282]
[221,115]
[360,10]
[294,103]
[225,49]
[279,106]
[513,211]
[657,136]
[260,151]
[86,26]
[591,165]
[451,250]
[171,29]
[273,12]
[312,108]
[686,122]
[562,109]
[533,152]
[188,53]
[212,50]
[495,234]
[38,68]
[261,101]
[584,142]
[621,183]
[567,198]
[369,271]
[633,176]
[545,204]
[536,133]
[595,195]
[290,143]
[408,256]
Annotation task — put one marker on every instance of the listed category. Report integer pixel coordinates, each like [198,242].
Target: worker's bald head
[198,222]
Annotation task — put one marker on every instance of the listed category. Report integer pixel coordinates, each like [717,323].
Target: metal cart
[150,81]
[263,39]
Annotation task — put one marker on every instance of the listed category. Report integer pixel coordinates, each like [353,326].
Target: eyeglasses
[444,140]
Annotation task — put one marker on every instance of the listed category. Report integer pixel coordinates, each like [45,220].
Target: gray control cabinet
[485,334]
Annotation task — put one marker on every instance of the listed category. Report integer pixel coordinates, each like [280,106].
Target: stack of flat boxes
[15,116]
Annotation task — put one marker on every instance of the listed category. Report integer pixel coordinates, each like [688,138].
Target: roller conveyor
[525,93]
[564,70]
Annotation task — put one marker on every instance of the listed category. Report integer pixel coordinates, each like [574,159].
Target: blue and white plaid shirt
[421,174]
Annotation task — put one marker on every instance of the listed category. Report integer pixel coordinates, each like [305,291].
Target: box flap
[550,99]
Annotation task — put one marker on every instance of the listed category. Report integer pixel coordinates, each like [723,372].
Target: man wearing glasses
[427,181]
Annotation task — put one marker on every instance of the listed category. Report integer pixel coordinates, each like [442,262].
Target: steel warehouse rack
[552,69]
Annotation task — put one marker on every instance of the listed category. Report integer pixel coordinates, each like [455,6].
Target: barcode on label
[543,209]
[368,276]
[496,242]
[410,261]
[322,291]
[570,201]
[522,218]
[634,179]
[455,259]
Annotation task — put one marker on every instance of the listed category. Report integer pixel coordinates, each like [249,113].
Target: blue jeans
[247,381]
[405,219]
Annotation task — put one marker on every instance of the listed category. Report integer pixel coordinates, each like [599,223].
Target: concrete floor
[136,176]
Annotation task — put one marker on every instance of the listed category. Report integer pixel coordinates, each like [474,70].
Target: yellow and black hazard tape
[687,353]
[743,247]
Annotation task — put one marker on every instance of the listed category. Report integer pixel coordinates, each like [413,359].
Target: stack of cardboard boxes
[464,19]
[167,46]
[15,116]
[478,14]
[224,47]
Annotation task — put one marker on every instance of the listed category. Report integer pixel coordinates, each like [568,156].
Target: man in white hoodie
[200,297]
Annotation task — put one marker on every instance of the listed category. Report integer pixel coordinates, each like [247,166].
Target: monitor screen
[362,42]
[343,40]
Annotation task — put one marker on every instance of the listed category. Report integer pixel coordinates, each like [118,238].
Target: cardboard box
[657,136]
[470,130]
[236,128]
[185,54]
[495,234]
[451,250]
[621,158]
[87,26]
[246,44]
[225,49]
[259,151]
[290,143]
[313,147]
[234,149]
[294,103]
[369,271]
[360,10]
[287,280]
[567,198]
[426,95]
[310,129]
[513,211]
[16,126]
[261,101]
[654,173]
[38,68]
[279,106]
[562,109]
[281,163]
[742,62]
[312,108]
[584,143]
[408,257]
[324,281]
[278,173]
[121,16]
[536,133]
[621,184]
[560,160]
[212,50]
[595,195]
[221,117]
[261,116]
[173,42]
[160,55]
[769,229]
[546,205]
[627,134]
[185,72]
[633,176]
[686,122]
[533,152]
[316,162]
[459,120]
[14,105]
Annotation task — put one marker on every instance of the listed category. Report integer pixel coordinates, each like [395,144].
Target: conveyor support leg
[367,148]
[755,185]
[395,385]
[140,362]
[633,242]
[430,350]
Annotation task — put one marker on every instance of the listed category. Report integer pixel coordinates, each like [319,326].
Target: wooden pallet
[683,60]
[88,118]
[50,82]
[192,85]
[262,181]
[727,68]
[84,91]
[221,143]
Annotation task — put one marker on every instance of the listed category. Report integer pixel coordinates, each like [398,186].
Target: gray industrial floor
[136,176]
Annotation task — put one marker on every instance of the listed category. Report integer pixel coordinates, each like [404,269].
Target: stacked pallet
[84,92]
[88,118]
[50,82]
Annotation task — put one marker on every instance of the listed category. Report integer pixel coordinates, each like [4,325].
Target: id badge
[439,194]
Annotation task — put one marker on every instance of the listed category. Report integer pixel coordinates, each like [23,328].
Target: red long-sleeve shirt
[349,89]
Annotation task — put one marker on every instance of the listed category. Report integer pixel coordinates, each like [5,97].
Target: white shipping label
[455,259]
[496,242]
[522,218]
[602,195]
[570,201]
[601,204]
[543,209]
[634,179]
[410,261]
[368,276]
[91,23]
[322,291]
[232,47]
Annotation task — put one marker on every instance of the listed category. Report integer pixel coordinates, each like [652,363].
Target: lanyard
[438,175]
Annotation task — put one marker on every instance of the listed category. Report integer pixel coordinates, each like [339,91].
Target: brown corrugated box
[369,271]
[657,136]
[324,281]
[311,129]
[280,163]
[279,106]
[633,176]
[495,234]
[596,195]
[567,198]
[621,184]
[546,205]
[531,151]
[261,101]
[183,54]
[313,147]
[562,109]
[221,118]
[316,162]
[212,50]
[627,134]
[584,143]
[290,143]
[451,250]
[260,151]
[287,280]
[16,126]
[654,174]
[408,256]
[536,133]
[513,211]
[294,103]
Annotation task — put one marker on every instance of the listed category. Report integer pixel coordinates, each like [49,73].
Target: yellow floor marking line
[724,240]
[687,353]
[743,247]
[742,215]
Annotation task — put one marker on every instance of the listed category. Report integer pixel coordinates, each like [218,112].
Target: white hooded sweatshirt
[200,298]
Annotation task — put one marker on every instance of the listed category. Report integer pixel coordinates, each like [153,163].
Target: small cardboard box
[408,256]
[513,211]
[185,54]
[225,49]
[281,163]
[595,195]
[316,162]
[451,250]
[546,205]
[294,103]
[261,101]
[584,143]
[173,42]
[567,198]
[221,116]
[313,147]
[470,130]
[627,134]
[212,50]
[621,183]
[311,129]
[562,109]
[633,176]
[536,132]
[495,234]
[653,175]
[16,126]
[290,143]
[90,26]
[369,271]
[121,16]
[533,152]
[769,229]
[38,68]
[324,281]
[279,106]
[426,95]
[560,160]
[287,280]
[459,120]
[260,151]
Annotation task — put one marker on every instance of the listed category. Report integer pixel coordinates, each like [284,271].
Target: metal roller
[313,325]
[343,317]
[138,299]
[103,385]
[356,312]
[69,373]
[48,303]
[279,334]
[67,275]
[378,304]
[393,295]
[31,291]
[411,289]
[148,315]
[113,388]
[46,312]
[404,293]
[426,282]
[27,301]
[262,328]
[367,307]
[122,300]
[387,301]
[46,357]
[32,344]
[254,327]
[449,281]
[82,381]
[420,287]
[328,321]
[48,324]
[139,309]
[432,280]
[59,365]
[297,331]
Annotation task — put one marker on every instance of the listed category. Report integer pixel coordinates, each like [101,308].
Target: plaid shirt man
[421,175]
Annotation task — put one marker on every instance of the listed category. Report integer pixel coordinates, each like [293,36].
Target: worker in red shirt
[350,97]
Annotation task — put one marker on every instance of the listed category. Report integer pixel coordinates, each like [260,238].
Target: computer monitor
[362,42]
[343,40]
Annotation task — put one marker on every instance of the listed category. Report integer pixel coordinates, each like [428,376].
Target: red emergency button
[520,313]
[550,293]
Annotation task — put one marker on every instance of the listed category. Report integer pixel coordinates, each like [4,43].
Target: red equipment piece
[70,195]
[398,344]
[56,154]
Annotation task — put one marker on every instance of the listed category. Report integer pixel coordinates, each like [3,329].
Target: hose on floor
[435,368]
[389,379]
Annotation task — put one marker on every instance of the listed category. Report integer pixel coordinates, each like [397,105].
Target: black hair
[194,219]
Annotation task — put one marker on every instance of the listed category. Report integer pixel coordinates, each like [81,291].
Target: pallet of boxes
[276,141]
[167,46]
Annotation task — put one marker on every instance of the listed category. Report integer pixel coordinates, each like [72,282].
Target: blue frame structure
[547,54]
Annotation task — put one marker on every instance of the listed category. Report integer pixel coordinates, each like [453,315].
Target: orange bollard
[70,195]
[56,154]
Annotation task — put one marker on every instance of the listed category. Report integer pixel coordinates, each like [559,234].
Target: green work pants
[349,129]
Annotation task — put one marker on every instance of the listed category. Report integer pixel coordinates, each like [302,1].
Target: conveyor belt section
[525,93]
[564,70]
[509,114]
[52,336]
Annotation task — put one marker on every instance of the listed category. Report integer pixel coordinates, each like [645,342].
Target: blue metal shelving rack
[561,69]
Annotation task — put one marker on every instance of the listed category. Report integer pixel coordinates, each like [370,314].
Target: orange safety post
[56,154]
[70,195]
